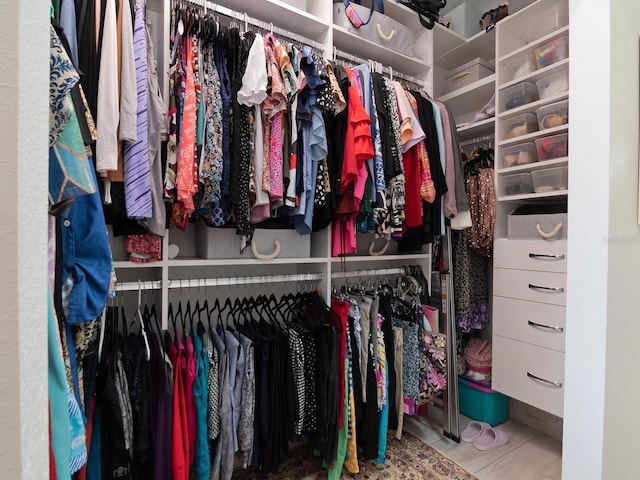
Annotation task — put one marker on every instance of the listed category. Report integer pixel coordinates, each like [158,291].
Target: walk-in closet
[298,239]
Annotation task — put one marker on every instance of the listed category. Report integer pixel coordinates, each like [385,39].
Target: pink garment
[275,161]
[187,149]
[190,379]
[143,248]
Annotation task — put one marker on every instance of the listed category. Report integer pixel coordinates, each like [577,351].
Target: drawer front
[543,287]
[531,374]
[540,324]
[539,255]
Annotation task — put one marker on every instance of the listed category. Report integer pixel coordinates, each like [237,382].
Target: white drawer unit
[531,374]
[544,287]
[540,255]
[536,323]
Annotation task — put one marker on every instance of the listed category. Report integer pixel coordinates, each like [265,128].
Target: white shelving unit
[529,275]
[314,21]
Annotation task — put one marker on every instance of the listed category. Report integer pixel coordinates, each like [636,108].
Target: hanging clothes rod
[473,141]
[267,26]
[378,272]
[339,54]
[218,282]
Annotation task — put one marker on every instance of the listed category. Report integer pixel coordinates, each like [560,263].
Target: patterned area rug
[406,459]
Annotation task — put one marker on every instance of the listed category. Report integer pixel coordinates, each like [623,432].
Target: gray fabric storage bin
[223,243]
[381,29]
[538,222]
[468,73]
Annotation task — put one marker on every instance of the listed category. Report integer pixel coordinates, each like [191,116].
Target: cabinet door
[540,255]
[529,373]
[540,324]
[543,287]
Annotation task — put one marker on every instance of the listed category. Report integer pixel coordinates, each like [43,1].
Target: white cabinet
[529,276]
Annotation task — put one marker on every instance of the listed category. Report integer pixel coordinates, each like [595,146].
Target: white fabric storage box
[543,221]
[381,29]
[214,243]
[468,73]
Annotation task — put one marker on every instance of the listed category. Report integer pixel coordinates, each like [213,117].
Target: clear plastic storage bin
[552,52]
[550,179]
[520,125]
[520,154]
[556,146]
[518,95]
[517,184]
[553,115]
[553,85]
[520,66]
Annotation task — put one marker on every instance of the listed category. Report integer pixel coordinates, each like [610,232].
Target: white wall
[603,325]
[621,440]
[24,92]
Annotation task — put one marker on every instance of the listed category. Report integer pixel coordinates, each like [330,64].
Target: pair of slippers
[483,436]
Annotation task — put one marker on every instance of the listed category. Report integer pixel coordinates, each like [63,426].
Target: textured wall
[24,62]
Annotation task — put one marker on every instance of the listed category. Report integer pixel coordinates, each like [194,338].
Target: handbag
[353,16]
[427,10]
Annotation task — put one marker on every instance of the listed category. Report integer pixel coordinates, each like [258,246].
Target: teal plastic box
[481,403]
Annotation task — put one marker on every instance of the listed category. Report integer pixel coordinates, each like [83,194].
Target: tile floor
[529,455]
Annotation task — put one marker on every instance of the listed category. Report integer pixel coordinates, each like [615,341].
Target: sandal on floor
[490,438]
[473,430]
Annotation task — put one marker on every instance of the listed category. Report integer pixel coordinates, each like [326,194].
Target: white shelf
[381,258]
[398,12]
[533,196]
[480,45]
[475,88]
[536,75]
[126,264]
[532,107]
[472,97]
[532,25]
[534,166]
[534,135]
[531,46]
[282,15]
[477,129]
[368,50]
[226,262]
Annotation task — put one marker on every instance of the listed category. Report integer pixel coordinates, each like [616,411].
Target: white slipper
[473,430]
[490,438]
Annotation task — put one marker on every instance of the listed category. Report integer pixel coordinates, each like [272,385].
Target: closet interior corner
[314,229]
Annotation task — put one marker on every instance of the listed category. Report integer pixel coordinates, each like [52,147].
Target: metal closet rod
[218,282]
[268,26]
[484,138]
[377,272]
[392,73]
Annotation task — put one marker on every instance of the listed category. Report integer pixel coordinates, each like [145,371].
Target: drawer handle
[547,327]
[548,382]
[546,289]
[559,256]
